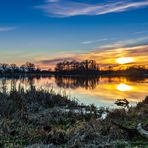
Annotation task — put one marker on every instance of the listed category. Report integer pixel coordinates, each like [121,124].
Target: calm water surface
[102,91]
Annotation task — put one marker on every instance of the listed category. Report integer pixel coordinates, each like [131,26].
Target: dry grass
[44,117]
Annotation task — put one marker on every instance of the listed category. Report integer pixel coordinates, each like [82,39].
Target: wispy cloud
[140,32]
[68,8]
[5,29]
[106,54]
[109,56]
[105,57]
[94,41]
[52,1]
[124,43]
[56,60]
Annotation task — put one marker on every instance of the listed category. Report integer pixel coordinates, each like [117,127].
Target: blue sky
[48,29]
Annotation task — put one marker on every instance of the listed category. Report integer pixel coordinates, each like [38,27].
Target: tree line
[85,67]
[13,68]
[71,67]
[134,71]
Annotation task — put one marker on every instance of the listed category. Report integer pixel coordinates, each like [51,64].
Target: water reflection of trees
[7,84]
[90,82]
[76,82]
[112,79]
[73,82]
[11,82]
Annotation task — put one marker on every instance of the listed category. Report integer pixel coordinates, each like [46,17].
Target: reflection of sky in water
[101,92]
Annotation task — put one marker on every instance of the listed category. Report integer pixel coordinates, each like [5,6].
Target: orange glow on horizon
[117,58]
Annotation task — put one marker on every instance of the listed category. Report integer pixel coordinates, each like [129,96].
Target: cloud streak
[51,1]
[69,8]
[5,29]
[106,57]
[94,41]
[56,60]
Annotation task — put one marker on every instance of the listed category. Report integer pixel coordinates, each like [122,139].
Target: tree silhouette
[13,67]
[4,66]
[30,66]
[77,67]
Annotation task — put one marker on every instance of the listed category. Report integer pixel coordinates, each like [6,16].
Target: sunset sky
[48,31]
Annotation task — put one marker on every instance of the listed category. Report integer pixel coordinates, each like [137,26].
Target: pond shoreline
[71,75]
[41,118]
[105,89]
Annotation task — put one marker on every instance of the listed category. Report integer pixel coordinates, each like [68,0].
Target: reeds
[37,116]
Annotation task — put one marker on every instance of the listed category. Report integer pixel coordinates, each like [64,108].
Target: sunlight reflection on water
[101,91]
[124,87]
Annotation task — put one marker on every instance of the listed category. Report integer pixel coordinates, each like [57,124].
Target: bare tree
[30,66]
[4,66]
[13,67]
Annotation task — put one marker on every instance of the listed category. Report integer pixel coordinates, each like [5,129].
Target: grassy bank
[38,117]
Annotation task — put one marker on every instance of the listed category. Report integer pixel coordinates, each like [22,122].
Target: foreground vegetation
[45,119]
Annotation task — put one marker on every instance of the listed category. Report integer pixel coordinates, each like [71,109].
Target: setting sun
[124,60]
